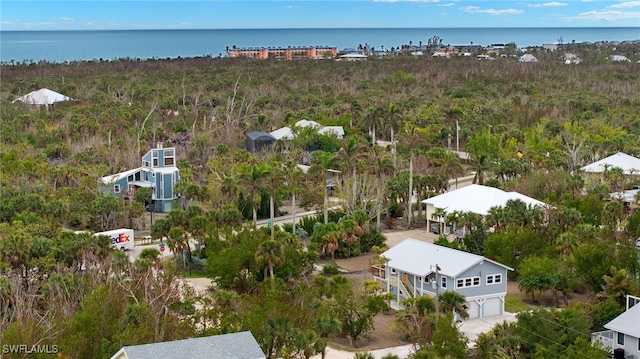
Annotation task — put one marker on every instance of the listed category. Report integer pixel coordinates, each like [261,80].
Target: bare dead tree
[141,128]
[236,110]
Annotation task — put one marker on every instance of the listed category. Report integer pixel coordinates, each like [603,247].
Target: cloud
[625,5]
[447,4]
[608,15]
[478,10]
[549,4]
[65,19]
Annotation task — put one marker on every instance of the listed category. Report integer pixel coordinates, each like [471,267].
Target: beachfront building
[284,53]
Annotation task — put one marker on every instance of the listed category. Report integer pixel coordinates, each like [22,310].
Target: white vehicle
[121,238]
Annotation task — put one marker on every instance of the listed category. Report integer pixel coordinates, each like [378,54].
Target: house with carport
[473,198]
[415,268]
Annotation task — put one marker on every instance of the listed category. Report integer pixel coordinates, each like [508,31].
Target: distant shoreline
[62,46]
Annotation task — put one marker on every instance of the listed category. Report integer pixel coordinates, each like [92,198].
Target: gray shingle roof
[627,322]
[240,345]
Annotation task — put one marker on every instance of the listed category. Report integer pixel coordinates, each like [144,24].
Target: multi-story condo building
[284,53]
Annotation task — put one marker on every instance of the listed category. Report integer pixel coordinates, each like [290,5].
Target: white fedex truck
[121,238]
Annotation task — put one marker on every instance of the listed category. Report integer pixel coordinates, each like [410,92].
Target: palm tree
[270,254]
[251,180]
[454,302]
[350,154]
[413,139]
[331,242]
[445,162]
[321,163]
[176,242]
[482,165]
[438,215]
[372,120]
[382,168]
[293,178]
[275,179]
[351,231]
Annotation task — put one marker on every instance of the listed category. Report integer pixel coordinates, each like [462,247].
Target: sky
[241,14]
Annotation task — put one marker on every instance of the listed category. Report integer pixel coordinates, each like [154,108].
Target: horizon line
[337,28]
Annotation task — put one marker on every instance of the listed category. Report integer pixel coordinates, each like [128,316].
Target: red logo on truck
[121,238]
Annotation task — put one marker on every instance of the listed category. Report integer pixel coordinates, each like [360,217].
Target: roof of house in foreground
[419,258]
[240,345]
[628,163]
[627,322]
[477,199]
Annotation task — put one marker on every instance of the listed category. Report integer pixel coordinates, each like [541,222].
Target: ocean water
[62,46]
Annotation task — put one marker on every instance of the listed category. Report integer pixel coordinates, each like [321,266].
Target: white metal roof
[284,133]
[628,163]
[627,322]
[118,176]
[305,169]
[477,199]
[307,123]
[420,258]
[42,97]
[336,130]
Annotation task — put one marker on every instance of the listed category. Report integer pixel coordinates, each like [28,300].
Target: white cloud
[478,10]
[65,19]
[549,4]
[41,23]
[608,15]
[447,4]
[625,5]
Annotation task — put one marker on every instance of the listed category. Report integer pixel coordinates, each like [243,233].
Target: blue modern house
[158,172]
[414,268]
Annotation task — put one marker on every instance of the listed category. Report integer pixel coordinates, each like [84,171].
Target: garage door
[473,309]
[492,306]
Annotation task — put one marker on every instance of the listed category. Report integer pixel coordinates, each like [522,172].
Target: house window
[146,164]
[621,338]
[443,282]
[419,279]
[116,188]
[494,278]
[468,282]
[638,344]
[155,158]
[169,158]
[393,271]
[130,178]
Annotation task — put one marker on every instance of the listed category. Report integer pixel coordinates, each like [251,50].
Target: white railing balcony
[605,338]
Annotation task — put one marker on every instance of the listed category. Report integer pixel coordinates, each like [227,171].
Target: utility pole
[437,293]
[457,136]
[410,209]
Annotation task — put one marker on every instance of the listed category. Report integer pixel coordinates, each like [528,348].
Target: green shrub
[330,268]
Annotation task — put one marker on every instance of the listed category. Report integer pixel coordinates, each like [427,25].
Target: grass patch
[193,274]
[514,303]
